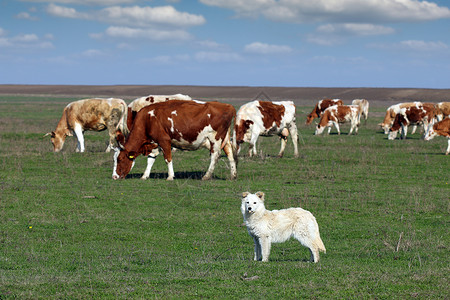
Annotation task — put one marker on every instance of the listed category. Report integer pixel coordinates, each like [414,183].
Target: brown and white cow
[265,118]
[320,108]
[391,112]
[440,128]
[442,110]
[95,114]
[139,103]
[339,114]
[364,108]
[416,114]
[187,125]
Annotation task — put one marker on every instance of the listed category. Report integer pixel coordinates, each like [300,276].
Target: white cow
[265,118]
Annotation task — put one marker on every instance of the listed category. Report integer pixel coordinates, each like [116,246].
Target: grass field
[67,230]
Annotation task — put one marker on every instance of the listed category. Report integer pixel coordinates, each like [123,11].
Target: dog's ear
[260,195]
[245,194]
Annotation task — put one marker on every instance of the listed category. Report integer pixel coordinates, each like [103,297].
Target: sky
[287,43]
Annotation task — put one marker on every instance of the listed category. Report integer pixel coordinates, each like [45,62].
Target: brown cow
[186,125]
[391,112]
[416,114]
[440,128]
[320,108]
[339,114]
[139,103]
[264,118]
[90,114]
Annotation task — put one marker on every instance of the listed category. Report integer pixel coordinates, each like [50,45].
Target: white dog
[277,226]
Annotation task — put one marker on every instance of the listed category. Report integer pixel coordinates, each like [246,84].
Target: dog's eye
[248,202]
[254,202]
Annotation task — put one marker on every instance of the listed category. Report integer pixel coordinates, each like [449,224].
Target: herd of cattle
[160,122]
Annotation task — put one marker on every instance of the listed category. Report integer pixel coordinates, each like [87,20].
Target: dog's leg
[265,247]
[257,248]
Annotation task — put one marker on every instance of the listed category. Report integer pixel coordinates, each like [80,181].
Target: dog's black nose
[249,208]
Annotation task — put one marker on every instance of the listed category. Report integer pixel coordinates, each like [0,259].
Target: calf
[418,113]
[264,118]
[182,124]
[90,114]
[440,128]
[320,108]
[339,114]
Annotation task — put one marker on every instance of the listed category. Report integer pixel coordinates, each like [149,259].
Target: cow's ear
[52,134]
[260,195]
[245,194]
[69,133]
[132,155]
[120,137]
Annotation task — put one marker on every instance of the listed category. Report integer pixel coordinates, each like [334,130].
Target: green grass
[67,230]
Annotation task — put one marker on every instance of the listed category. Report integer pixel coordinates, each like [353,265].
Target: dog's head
[252,203]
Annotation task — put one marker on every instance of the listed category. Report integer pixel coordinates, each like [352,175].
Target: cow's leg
[283,145]
[166,147]
[215,152]
[294,135]
[413,129]
[80,138]
[448,147]
[404,131]
[336,124]
[228,149]
[150,161]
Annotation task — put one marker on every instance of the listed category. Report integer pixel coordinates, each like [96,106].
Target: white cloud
[137,16]
[65,12]
[355,29]
[346,11]
[147,33]
[262,48]
[211,56]
[24,41]
[334,34]
[414,46]
[134,16]
[86,2]
[26,16]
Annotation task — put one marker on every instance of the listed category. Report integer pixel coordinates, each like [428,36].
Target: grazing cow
[391,112]
[339,114]
[364,108]
[90,114]
[418,113]
[187,125]
[320,108]
[266,119]
[440,128]
[442,110]
[139,103]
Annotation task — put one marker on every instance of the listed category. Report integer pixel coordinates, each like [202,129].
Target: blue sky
[297,43]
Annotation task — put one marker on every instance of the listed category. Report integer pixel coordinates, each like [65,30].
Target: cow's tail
[122,125]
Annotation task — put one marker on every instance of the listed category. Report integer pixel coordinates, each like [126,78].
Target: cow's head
[431,133]
[242,129]
[385,127]
[123,163]
[57,140]
[311,117]
[319,129]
